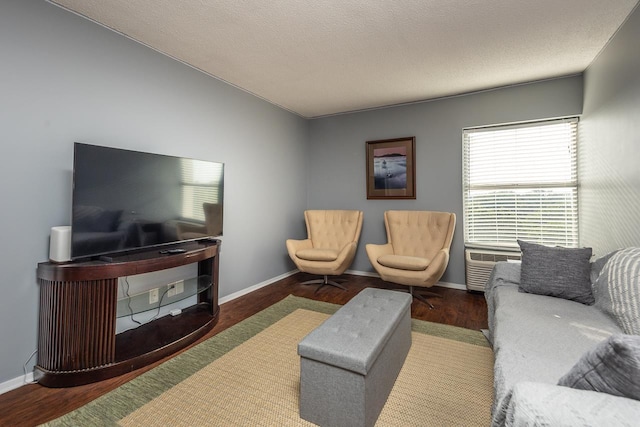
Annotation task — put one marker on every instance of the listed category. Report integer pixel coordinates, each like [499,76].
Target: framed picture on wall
[391,168]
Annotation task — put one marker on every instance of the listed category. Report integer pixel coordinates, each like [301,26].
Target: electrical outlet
[153,296]
[175,288]
[179,287]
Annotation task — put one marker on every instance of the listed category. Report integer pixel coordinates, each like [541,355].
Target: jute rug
[250,377]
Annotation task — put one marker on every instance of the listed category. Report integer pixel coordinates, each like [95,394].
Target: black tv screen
[128,200]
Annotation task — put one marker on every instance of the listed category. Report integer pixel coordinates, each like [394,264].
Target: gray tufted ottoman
[348,365]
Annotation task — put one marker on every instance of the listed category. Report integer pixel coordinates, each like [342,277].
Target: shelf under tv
[77,343]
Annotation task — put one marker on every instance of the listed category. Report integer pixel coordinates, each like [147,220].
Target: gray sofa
[537,339]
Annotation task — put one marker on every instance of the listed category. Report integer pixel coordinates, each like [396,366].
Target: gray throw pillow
[617,289]
[612,367]
[556,271]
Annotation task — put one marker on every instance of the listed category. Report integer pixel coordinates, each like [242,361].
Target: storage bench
[349,364]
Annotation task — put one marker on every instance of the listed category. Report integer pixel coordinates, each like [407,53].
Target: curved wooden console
[77,340]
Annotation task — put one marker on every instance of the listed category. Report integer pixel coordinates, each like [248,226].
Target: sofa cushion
[556,271]
[617,289]
[539,404]
[537,338]
[401,262]
[613,367]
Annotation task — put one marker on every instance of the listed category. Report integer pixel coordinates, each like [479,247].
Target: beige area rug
[443,383]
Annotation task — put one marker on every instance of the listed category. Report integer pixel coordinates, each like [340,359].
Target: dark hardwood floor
[34,404]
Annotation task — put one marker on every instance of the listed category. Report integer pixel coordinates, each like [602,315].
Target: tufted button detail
[353,340]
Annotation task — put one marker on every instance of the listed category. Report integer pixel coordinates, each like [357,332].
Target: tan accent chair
[330,246]
[417,249]
[212,224]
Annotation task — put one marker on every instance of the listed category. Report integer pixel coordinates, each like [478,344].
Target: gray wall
[610,144]
[337,169]
[65,79]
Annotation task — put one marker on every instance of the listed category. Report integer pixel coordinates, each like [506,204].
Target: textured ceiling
[324,57]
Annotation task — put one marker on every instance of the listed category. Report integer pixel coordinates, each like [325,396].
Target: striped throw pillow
[617,289]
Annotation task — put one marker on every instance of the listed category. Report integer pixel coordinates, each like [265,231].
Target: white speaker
[60,244]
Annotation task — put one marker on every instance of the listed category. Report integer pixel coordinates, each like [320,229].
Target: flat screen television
[128,200]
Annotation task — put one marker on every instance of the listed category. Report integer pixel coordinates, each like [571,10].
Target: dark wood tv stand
[77,340]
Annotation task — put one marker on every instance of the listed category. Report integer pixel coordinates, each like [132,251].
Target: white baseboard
[26,379]
[16,383]
[452,285]
[267,282]
[440,284]
[362,273]
[250,289]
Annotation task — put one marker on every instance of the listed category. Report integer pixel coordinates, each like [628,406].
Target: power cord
[126,292]
[24,368]
[160,303]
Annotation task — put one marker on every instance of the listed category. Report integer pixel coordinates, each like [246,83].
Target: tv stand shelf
[77,342]
[139,303]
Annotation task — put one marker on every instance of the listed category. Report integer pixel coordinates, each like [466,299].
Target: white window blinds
[520,182]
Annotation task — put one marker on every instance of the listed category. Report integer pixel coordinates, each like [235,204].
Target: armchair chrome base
[323,282]
[421,297]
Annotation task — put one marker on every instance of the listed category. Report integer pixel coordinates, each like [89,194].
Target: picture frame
[391,168]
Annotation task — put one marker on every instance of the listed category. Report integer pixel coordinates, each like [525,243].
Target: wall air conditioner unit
[480,262]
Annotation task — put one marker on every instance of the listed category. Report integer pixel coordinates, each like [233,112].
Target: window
[201,182]
[520,182]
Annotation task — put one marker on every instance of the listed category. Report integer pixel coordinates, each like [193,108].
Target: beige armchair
[212,224]
[417,249]
[330,246]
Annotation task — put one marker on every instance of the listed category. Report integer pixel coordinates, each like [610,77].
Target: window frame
[564,192]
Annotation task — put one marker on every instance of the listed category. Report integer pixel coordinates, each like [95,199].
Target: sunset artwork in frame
[391,170]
